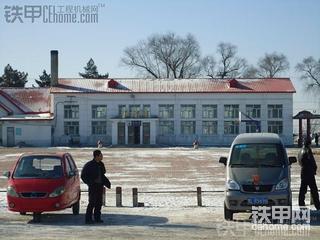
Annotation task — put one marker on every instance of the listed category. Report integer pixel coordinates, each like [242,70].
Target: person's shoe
[89,222]
[98,221]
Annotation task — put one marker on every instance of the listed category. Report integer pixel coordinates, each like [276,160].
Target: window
[134,111]
[146,111]
[275,127]
[99,127]
[71,111]
[231,111]
[274,111]
[71,163]
[188,127]
[231,127]
[39,167]
[209,127]
[123,111]
[71,128]
[253,111]
[252,127]
[166,127]
[166,111]
[99,111]
[188,111]
[209,111]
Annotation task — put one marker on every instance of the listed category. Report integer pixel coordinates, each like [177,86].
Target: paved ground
[165,216]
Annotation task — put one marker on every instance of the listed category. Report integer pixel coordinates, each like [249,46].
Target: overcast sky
[291,27]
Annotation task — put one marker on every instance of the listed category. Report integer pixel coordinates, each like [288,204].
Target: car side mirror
[6,174]
[223,160]
[71,173]
[292,160]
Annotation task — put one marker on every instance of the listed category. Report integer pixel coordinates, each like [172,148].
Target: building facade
[170,112]
[145,111]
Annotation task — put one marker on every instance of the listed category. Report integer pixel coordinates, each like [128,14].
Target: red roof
[262,85]
[28,100]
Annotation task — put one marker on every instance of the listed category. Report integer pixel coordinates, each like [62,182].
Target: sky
[256,27]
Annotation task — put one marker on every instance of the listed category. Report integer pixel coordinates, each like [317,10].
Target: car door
[68,181]
[74,179]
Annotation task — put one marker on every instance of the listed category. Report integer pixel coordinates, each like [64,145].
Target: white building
[158,111]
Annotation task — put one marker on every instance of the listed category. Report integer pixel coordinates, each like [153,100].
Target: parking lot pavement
[165,216]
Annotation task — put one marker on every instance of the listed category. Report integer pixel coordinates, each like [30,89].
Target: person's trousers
[95,202]
[310,181]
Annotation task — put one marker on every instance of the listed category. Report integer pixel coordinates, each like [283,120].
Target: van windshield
[38,167]
[257,155]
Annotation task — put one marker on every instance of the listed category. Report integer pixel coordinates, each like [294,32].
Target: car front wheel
[228,214]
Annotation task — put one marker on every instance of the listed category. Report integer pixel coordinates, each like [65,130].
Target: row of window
[211,127]
[166,127]
[187,111]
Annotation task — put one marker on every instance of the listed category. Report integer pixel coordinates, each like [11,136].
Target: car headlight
[57,192]
[283,184]
[232,185]
[11,191]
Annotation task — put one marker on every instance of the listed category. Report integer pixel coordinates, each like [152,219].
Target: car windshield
[257,155]
[38,167]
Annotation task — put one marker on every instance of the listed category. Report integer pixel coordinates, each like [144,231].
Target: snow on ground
[165,215]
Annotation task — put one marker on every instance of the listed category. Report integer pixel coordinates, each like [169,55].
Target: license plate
[258,201]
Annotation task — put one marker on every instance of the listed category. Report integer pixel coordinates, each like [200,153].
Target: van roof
[257,138]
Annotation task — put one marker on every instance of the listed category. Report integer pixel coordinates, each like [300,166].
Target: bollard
[199,196]
[118,197]
[135,197]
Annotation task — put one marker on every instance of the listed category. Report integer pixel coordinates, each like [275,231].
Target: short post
[135,197]
[118,197]
[199,197]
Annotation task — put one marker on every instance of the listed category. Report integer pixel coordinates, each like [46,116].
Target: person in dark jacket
[93,175]
[308,170]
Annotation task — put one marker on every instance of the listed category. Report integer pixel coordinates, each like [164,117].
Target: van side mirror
[292,160]
[6,174]
[223,160]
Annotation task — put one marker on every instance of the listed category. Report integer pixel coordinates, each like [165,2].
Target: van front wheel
[228,214]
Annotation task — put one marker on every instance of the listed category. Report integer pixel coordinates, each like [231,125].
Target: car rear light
[11,205]
[57,192]
[11,191]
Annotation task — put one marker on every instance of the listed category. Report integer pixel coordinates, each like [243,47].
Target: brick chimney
[54,68]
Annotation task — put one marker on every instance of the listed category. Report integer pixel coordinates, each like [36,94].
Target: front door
[146,133]
[10,137]
[121,133]
[134,134]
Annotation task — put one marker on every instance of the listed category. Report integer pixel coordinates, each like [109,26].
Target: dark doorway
[134,134]
[121,133]
[146,133]
[10,137]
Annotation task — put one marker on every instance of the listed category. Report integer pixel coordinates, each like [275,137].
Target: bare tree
[250,72]
[165,56]
[229,65]
[310,70]
[209,66]
[271,65]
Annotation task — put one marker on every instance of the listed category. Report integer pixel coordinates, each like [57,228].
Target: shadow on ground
[111,220]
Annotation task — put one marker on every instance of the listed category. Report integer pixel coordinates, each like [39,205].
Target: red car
[43,182]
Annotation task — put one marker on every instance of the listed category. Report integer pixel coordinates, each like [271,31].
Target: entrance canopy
[305,115]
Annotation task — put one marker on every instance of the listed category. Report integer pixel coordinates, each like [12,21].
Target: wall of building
[28,133]
[113,100]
